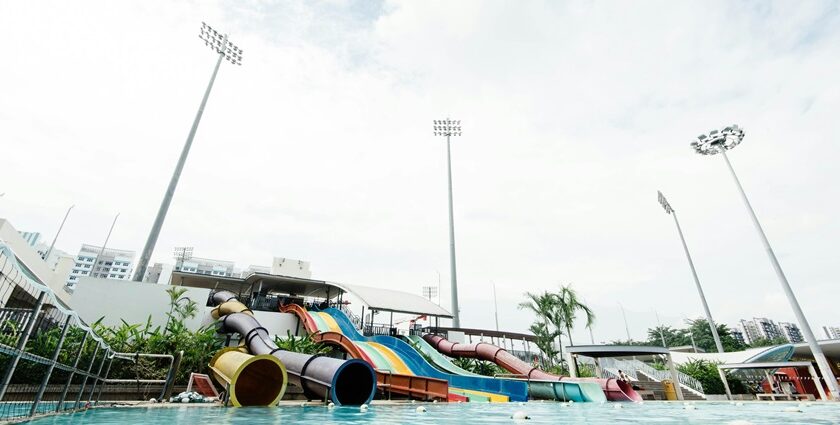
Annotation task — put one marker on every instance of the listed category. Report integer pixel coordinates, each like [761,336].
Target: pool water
[468,413]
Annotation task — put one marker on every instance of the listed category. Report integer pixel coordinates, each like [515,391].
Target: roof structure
[394,301]
[596,351]
[779,353]
[375,298]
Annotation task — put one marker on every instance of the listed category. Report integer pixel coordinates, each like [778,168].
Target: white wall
[134,301]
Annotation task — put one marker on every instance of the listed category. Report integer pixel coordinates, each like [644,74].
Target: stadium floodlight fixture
[718,141]
[447,127]
[220,44]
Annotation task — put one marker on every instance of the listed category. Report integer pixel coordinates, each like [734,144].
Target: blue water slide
[515,390]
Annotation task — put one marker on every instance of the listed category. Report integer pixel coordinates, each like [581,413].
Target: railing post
[105,378]
[72,372]
[50,368]
[170,379]
[98,375]
[87,375]
[21,345]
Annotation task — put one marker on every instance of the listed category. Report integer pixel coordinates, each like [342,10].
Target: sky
[320,146]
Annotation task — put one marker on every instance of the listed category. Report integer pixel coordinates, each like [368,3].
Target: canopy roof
[779,353]
[375,298]
[396,301]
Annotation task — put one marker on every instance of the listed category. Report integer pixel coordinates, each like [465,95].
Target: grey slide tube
[344,382]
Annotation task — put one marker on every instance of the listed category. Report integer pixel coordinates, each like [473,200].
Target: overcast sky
[320,146]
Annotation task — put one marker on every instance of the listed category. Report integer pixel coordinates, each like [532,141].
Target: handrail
[632,367]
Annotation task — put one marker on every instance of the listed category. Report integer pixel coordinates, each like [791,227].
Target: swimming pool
[452,413]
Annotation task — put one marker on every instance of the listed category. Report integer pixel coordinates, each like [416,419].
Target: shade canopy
[375,298]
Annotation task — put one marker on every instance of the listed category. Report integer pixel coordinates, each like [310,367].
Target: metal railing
[633,367]
[50,359]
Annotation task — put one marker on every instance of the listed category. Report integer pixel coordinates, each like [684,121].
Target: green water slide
[438,360]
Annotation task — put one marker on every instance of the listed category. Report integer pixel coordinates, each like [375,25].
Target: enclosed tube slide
[614,389]
[251,380]
[350,382]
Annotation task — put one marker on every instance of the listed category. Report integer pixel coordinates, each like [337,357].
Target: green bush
[707,373]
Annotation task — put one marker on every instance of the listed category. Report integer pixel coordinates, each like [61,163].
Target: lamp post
[46,256]
[226,50]
[102,250]
[626,327]
[712,325]
[451,128]
[720,141]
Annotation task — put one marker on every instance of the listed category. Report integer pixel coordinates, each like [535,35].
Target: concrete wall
[133,302]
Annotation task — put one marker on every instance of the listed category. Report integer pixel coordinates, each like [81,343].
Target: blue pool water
[467,413]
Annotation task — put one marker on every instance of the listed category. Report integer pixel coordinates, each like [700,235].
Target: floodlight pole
[816,350]
[52,245]
[102,250]
[719,142]
[451,128]
[712,325]
[495,306]
[223,48]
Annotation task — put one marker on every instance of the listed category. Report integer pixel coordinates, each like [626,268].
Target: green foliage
[480,367]
[302,344]
[556,314]
[198,346]
[707,373]
[765,342]
[586,370]
[701,332]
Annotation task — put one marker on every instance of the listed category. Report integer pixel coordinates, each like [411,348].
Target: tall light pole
[451,128]
[102,250]
[495,305]
[719,142]
[712,325]
[226,50]
[52,245]
[626,327]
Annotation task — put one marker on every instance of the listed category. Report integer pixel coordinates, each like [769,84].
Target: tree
[673,337]
[707,373]
[768,342]
[544,340]
[704,339]
[566,306]
[543,305]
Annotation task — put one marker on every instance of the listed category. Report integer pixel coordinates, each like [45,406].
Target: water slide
[416,387]
[439,360]
[344,382]
[614,389]
[398,356]
[544,390]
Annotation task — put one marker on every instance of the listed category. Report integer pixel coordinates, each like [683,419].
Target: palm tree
[567,304]
[543,305]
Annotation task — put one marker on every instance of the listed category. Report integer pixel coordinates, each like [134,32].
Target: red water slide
[614,389]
